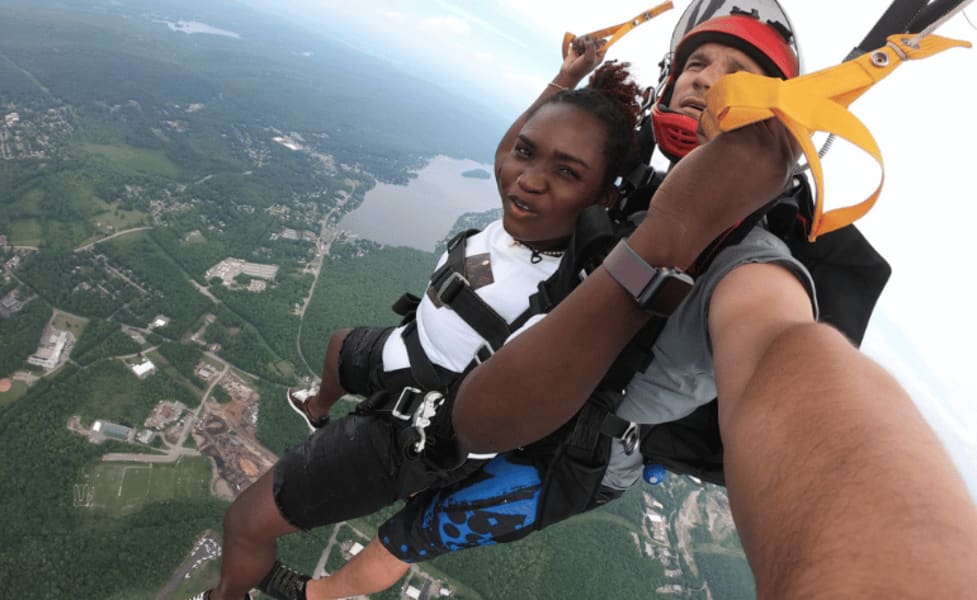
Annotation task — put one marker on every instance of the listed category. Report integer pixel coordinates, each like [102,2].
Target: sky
[502,53]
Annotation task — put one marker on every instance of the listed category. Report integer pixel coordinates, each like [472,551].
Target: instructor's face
[705,66]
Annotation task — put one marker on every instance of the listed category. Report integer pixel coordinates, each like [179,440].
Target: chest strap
[453,289]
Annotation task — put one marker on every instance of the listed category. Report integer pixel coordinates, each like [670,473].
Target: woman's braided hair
[611,96]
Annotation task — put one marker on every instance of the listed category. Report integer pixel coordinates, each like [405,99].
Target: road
[114,235]
[326,236]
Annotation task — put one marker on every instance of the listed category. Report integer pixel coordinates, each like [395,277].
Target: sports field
[123,488]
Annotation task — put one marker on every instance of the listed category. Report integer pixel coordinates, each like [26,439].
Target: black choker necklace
[537,255]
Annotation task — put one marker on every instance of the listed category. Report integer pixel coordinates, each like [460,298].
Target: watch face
[658,290]
[665,292]
[671,293]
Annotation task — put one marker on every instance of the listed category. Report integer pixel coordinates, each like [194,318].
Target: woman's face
[555,170]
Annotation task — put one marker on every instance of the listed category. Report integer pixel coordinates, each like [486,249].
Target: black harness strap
[593,236]
[932,13]
[897,18]
[420,365]
[451,285]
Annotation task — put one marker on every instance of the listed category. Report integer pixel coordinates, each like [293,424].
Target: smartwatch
[657,290]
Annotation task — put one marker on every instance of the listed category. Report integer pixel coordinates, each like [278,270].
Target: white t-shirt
[501,273]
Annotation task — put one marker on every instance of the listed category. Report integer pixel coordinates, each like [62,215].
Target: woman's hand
[584,55]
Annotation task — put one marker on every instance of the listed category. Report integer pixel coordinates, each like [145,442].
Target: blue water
[421,213]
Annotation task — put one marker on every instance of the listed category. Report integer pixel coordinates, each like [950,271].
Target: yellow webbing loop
[616,32]
[817,102]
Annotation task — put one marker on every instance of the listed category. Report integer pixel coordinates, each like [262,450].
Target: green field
[16,392]
[27,232]
[118,219]
[125,488]
[76,325]
[135,159]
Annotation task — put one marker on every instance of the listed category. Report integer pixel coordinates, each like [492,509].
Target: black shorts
[347,469]
[358,464]
[361,360]
[354,467]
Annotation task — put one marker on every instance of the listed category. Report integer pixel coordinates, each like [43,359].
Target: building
[49,353]
[143,369]
[159,321]
[113,431]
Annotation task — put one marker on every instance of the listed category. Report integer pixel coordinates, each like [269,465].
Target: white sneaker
[298,399]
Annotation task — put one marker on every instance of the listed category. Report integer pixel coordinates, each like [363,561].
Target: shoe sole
[297,410]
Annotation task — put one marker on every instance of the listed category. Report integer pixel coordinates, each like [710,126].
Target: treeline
[184,358]
[103,339]
[589,556]
[76,282]
[360,291]
[272,311]
[243,346]
[170,293]
[729,576]
[21,334]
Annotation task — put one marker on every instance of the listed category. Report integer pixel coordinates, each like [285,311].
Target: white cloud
[485,57]
[481,23]
[445,25]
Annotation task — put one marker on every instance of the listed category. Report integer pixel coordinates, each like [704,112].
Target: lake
[422,212]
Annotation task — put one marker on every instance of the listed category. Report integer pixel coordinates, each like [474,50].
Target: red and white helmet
[761,30]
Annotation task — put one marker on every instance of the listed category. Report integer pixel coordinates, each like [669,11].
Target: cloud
[481,23]
[393,15]
[445,25]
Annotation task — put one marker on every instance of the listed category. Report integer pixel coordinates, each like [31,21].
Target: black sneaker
[298,401]
[284,583]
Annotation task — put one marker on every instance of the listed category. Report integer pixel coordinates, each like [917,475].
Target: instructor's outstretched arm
[838,487]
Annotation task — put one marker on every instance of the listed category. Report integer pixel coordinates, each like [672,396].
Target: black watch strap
[658,290]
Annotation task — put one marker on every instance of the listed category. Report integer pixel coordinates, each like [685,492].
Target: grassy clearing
[28,232]
[76,325]
[17,391]
[124,488]
[135,159]
[214,363]
[116,219]
[285,368]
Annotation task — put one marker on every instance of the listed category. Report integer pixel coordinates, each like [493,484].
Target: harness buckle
[427,409]
[483,353]
[450,287]
[408,394]
[630,438]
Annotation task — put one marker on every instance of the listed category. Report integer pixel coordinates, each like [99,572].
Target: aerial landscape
[173,183]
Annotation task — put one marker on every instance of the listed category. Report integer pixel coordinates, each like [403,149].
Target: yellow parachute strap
[818,102]
[616,32]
